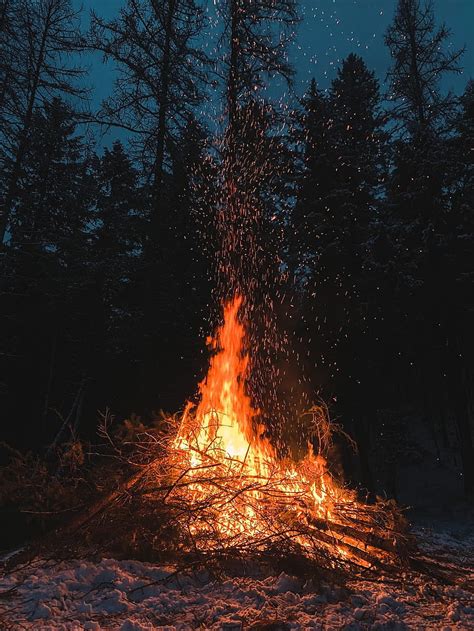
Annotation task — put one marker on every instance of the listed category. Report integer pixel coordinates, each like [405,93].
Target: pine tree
[52,203]
[315,173]
[254,44]
[455,280]
[117,233]
[336,209]
[119,208]
[183,307]
[338,193]
[48,326]
[422,223]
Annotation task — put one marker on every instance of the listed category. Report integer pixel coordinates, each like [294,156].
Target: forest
[235,318]
[365,230]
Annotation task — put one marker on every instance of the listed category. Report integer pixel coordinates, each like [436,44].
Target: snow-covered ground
[136,596]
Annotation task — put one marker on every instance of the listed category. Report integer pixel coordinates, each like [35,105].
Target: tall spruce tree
[48,324]
[52,207]
[420,214]
[336,208]
[313,176]
[455,243]
[117,232]
[184,312]
[338,192]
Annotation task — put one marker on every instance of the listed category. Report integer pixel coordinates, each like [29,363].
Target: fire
[229,465]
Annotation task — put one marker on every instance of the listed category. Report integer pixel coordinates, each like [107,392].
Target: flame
[231,465]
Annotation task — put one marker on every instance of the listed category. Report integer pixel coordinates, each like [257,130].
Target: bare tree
[161,76]
[420,59]
[8,10]
[46,34]
[255,37]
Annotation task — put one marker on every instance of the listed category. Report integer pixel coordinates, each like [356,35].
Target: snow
[137,596]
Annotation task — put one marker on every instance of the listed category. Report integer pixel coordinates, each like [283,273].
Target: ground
[136,596]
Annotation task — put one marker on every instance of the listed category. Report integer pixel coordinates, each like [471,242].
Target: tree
[114,258]
[337,205]
[420,59]
[337,197]
[47,333]
[424,224]
[184,293]
[255,38]
[254,41]
[117,242]
[46,33]
[456,243]
[161,77]
[52,206]
[161,81]
[314,176]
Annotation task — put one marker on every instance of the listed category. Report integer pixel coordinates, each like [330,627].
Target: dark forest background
[108,267]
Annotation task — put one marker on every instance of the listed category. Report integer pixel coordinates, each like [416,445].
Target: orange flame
[224,434]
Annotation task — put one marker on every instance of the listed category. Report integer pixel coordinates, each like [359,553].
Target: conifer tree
[47,315]
[254,45]
[337,206]
[423,224]
[52,207]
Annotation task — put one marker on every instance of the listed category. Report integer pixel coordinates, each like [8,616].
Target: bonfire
[229,492]
[209,488]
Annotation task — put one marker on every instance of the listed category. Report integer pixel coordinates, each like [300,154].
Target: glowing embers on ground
[225,468]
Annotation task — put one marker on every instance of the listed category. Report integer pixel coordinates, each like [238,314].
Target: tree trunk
[157,223]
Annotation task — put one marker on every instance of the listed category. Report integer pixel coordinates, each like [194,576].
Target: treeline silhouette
[108,257]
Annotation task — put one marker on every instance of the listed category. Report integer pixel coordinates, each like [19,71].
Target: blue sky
[329,31]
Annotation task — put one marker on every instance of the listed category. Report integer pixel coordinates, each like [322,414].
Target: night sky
[329,31]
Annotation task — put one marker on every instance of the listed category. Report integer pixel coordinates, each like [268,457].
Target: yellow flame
[224,432]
